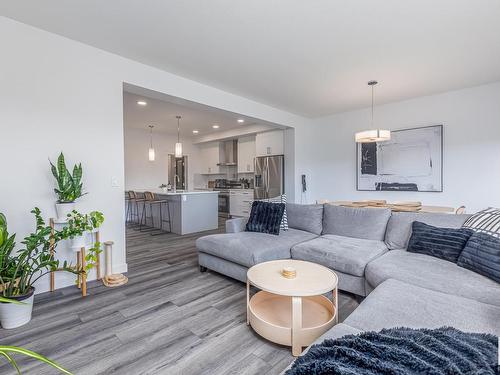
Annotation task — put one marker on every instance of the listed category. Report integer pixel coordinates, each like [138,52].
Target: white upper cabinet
[269,143]
[209,158]
[246,154]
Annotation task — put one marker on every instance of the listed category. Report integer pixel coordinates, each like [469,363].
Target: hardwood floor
[169,319]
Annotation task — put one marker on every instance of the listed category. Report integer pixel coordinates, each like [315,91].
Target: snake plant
[7,244]
[6,351]
[69,185]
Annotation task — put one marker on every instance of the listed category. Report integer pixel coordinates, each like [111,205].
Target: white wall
[471,119]
[57,94]
[142,174]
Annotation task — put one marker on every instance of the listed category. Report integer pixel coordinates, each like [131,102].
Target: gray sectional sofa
[366,247]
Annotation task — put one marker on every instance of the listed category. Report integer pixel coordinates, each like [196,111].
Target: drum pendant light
[375,135]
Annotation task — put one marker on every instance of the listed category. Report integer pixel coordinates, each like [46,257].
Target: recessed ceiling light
[241,121]
[142,102]
[215,126]
[195,131]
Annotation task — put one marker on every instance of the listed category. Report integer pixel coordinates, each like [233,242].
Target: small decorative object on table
[164,188]
[289,272]
[112,279]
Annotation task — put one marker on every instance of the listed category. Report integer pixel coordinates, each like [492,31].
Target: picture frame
[411,161]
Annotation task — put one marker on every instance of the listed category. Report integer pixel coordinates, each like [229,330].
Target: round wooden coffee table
[292,312]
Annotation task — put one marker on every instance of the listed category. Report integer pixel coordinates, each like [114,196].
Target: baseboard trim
[120,268]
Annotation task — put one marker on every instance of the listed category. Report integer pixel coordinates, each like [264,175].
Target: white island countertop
[187,211]
[178,192]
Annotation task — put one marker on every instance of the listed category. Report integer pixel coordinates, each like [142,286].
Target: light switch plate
[114,182]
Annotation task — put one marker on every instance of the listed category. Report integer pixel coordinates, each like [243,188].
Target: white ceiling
[311,58]
[161,114]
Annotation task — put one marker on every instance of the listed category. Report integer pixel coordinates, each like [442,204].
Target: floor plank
[169,319]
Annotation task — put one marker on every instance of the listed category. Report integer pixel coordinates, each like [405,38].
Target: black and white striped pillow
[485,221]
[279,199]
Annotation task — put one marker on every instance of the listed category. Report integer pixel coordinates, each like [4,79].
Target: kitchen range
[236,197]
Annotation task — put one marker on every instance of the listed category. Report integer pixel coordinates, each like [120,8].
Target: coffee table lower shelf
[270,315]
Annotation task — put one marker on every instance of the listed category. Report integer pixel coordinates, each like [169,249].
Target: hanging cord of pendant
[178,129]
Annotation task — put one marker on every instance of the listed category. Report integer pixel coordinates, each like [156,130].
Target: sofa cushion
[398,304]
[443,243]
[345,254]
[432,273]
[482,255]
[250,248]
[308,217]
[366,223]
[399,225]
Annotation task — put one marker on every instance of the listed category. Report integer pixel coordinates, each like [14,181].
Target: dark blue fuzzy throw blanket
[402,351]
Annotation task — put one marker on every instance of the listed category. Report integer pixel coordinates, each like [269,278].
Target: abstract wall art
[411,161]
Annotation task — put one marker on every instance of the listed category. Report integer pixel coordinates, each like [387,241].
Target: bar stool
[133,200]
[151,200]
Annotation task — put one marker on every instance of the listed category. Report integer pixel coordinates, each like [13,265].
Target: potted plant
[81,224]
[69,186]
[20,270]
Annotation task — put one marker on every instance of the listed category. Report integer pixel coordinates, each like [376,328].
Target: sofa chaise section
[250,248]
[232,253]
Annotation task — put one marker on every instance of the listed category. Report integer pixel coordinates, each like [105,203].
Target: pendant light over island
[178,145]
[151,148]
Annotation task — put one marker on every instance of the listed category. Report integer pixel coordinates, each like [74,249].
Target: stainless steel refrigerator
[269,176]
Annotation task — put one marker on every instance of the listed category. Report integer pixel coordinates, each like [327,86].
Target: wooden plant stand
[81,263]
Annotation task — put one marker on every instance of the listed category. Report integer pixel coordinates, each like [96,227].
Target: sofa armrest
[236,225]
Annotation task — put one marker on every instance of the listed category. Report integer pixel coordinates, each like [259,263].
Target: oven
[223,203]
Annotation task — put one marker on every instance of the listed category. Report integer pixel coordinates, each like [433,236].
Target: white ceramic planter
[63,209]
[13,315]
[78,242]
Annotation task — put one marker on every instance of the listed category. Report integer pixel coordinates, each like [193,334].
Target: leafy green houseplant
[78,226]
[7,351]
[20,270]
[69,185]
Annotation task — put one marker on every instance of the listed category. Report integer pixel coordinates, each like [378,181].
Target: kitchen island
[190,211]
